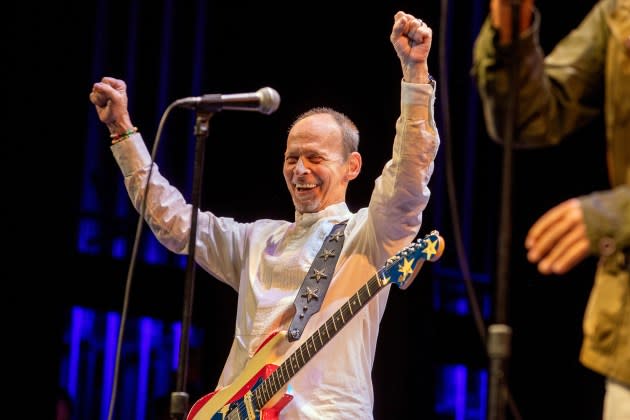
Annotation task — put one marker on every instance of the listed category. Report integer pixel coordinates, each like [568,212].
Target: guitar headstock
[402,268]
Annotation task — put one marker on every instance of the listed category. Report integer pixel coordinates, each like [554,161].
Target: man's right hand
[109,96]
[411,39]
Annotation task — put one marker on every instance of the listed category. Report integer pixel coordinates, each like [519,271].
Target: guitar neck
[318,340]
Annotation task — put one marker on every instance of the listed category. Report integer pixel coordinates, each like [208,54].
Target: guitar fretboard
[386,275]
[315,342]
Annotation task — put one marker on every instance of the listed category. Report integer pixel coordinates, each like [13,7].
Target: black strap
[315,285]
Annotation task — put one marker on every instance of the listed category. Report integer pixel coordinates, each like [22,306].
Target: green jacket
[586,74]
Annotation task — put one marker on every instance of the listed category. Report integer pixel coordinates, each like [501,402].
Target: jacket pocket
[607,302]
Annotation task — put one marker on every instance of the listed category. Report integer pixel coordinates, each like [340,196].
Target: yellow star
[386,280]
[430,249]
[406,268]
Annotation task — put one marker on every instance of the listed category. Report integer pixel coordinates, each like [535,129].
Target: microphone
[265,100]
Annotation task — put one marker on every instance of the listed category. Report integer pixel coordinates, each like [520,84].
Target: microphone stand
[179,398]
[500,333]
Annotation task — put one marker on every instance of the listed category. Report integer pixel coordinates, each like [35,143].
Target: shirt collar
[338,211]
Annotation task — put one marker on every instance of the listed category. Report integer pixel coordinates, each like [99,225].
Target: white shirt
[265,262]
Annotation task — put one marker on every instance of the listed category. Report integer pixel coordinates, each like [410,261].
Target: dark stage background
[314,53]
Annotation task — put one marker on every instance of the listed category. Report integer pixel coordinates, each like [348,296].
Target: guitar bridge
[249,405]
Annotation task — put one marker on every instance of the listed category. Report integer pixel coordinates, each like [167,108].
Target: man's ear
[354,165]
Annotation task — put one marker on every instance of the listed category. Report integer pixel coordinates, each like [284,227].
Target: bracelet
[116,138]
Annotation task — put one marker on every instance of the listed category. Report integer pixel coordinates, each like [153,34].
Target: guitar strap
[315,285]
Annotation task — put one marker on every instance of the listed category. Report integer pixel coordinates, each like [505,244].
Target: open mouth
[304,187]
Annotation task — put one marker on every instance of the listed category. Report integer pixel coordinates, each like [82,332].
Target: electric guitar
[252,395]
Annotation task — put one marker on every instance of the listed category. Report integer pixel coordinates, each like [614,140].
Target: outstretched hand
[109,96]
[557,242]
[411,39]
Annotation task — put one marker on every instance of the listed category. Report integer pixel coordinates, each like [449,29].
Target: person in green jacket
[585,76]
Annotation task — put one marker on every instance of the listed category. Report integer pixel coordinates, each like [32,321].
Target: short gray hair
[349,130]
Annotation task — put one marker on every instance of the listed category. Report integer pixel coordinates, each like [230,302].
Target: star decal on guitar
[406,268]
[430,249]
[310,294]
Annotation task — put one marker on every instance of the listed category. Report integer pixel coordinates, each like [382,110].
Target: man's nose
[300,167]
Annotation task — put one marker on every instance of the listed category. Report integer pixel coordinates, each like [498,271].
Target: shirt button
[607,246]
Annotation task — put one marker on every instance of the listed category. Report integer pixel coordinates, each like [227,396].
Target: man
[266,261]
[586,75]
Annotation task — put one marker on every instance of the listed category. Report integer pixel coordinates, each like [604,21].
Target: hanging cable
[132,264]
[451,189]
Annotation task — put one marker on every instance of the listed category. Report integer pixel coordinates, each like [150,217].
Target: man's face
[314,167]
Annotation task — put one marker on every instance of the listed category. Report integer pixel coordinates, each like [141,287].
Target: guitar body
[218,404]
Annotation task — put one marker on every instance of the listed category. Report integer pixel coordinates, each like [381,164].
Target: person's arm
[556,94]
[595,224]
[166,211]
[401,193]
[607,218]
